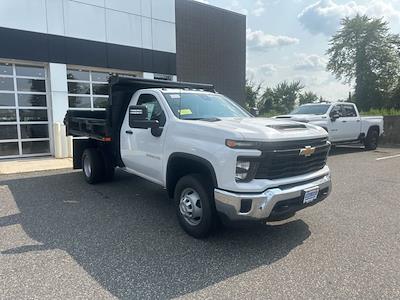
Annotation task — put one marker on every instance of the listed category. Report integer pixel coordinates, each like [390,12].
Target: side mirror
[138,118]
[254,111]
[335,116]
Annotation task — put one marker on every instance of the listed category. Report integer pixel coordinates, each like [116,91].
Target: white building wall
[146,24]
[58,91]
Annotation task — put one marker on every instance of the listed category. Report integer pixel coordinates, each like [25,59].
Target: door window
[154,109]
[337,110]
[349,111]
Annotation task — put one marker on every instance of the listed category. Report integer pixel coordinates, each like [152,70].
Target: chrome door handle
[129,132]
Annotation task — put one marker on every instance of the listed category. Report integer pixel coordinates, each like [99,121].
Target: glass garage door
[88,89]
[24,123]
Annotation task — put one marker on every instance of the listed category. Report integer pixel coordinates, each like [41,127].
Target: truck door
[142,149]
[334,126]
[352,122]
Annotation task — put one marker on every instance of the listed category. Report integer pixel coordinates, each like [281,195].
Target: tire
[93,166]
[372,139]
[195,207]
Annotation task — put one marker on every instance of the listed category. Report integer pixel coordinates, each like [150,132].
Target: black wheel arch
[374,128]
[181,164]
[80,145]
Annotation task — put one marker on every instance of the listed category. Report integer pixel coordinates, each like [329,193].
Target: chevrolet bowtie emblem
[307,151]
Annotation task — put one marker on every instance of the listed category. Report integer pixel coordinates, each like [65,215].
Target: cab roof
[119,82]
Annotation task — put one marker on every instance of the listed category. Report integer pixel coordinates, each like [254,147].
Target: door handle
[344,121]
[129,132]
[358,121]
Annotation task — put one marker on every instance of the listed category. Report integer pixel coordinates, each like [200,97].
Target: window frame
[159,104]
[340,111]
[91,81]
[90,96]
[345,113]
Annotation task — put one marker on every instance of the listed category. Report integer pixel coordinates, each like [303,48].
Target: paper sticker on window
[184,112]
[175,96]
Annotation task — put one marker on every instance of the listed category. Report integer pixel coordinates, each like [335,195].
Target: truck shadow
[341,150]
[125,235]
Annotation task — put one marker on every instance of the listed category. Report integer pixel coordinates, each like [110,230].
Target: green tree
[266,103]
[286,95]
[394,100]
[252,94]
[364,51]
[308,97]
[280,99]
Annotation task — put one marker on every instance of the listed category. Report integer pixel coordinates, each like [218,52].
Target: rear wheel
[93,166]
[372,139]
[195,208]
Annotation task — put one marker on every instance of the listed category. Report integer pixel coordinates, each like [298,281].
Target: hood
[265,129]
[302,118]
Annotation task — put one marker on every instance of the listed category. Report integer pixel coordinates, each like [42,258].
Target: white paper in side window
[175,96]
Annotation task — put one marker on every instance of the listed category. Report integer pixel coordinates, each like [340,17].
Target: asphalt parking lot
[61,238]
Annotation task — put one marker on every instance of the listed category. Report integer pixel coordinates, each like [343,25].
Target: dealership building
[57,55]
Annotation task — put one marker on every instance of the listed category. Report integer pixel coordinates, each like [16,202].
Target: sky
[288,39]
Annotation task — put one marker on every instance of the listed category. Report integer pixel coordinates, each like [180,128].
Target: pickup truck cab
[342,121]
[215,160]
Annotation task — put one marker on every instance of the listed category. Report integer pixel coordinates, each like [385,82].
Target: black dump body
[103,127]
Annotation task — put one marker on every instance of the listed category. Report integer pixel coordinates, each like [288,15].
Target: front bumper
[273,204]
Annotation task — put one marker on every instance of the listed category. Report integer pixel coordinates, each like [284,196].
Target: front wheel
[195,207]
[371,141]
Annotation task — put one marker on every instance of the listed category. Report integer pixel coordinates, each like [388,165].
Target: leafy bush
[270,114]
[381,112]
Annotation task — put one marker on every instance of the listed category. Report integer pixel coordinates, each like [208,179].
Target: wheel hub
[190,206]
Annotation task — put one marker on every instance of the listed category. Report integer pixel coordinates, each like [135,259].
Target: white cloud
[323,84]
[312,62]
[324,16]
[259,8]
[258,40]
[262,71]
[237,7]
[267,69]
[256,8]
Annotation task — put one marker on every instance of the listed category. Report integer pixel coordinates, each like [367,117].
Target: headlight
[242,144]
[245,170]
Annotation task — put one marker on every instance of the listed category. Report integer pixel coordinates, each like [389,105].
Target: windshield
[319,109]
[200,106]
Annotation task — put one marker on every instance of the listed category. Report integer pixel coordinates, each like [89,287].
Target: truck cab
[216,160]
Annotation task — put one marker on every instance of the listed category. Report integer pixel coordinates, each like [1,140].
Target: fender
[197,159]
